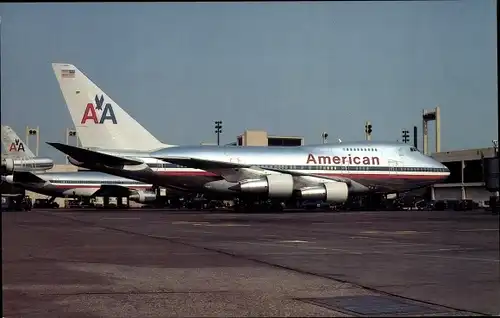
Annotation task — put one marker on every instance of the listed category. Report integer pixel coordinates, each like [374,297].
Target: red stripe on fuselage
[346,175]
[83,186]
[382,176]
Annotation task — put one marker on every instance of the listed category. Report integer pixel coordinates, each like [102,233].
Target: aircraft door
[393,166]
[401,153]
[158,165]
[402,157]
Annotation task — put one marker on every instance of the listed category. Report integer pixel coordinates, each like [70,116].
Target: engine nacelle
[8,165]
[274,185]
[9,178]
[143,197]
[219,186]
[331,192]
[75,162]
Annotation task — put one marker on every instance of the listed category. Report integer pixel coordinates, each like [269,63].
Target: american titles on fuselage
[344,160]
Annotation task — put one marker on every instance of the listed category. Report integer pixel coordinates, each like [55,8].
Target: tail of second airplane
[99,121]
[13,145]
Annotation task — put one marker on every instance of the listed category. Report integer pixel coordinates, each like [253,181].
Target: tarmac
[140,263]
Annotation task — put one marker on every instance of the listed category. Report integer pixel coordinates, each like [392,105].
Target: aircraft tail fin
[13,145]
[99,121]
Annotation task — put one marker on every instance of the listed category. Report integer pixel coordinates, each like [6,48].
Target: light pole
[368,130]
[406,135]
[70,133]
[324,137]
[33,132]
[218,130]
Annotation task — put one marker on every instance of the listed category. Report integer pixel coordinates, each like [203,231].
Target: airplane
[19,157]
[118,145]
[81,184]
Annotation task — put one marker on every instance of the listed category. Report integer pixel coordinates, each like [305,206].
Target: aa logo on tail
[17,145]
[91,112]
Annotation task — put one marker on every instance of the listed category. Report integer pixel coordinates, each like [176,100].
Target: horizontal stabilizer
[85,155]
[26,177]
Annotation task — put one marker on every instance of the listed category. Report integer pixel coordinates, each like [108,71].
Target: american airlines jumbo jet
[18,156]
[118,145]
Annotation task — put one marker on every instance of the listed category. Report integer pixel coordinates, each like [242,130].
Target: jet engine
[74,161]
[8,165]
[143,197]
[274,185]
[331,192]
[9,178]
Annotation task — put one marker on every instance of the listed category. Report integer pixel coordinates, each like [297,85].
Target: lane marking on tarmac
[371,232]
[456,258]
[117,218]
[452,249]
[477,230]
[405,232]
[211,224]
[191,223]
[228,225]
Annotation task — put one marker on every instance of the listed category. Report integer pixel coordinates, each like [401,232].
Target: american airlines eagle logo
[342,160]
[99,112]
[17,145]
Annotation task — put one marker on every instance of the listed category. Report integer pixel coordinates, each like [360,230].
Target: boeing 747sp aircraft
[18,156]
[118,145]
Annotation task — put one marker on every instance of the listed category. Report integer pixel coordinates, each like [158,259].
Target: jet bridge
[467,177]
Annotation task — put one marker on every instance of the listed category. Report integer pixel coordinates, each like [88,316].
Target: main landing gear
[375,202]
[251,206]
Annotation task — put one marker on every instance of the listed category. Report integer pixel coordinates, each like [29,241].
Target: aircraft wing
[203,164]
[233,171]
[85,155]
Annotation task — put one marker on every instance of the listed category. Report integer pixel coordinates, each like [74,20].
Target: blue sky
[289,68]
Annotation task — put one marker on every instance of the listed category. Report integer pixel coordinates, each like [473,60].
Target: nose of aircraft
[444,170]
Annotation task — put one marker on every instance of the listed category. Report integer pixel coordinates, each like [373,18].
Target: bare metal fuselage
[375,167]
